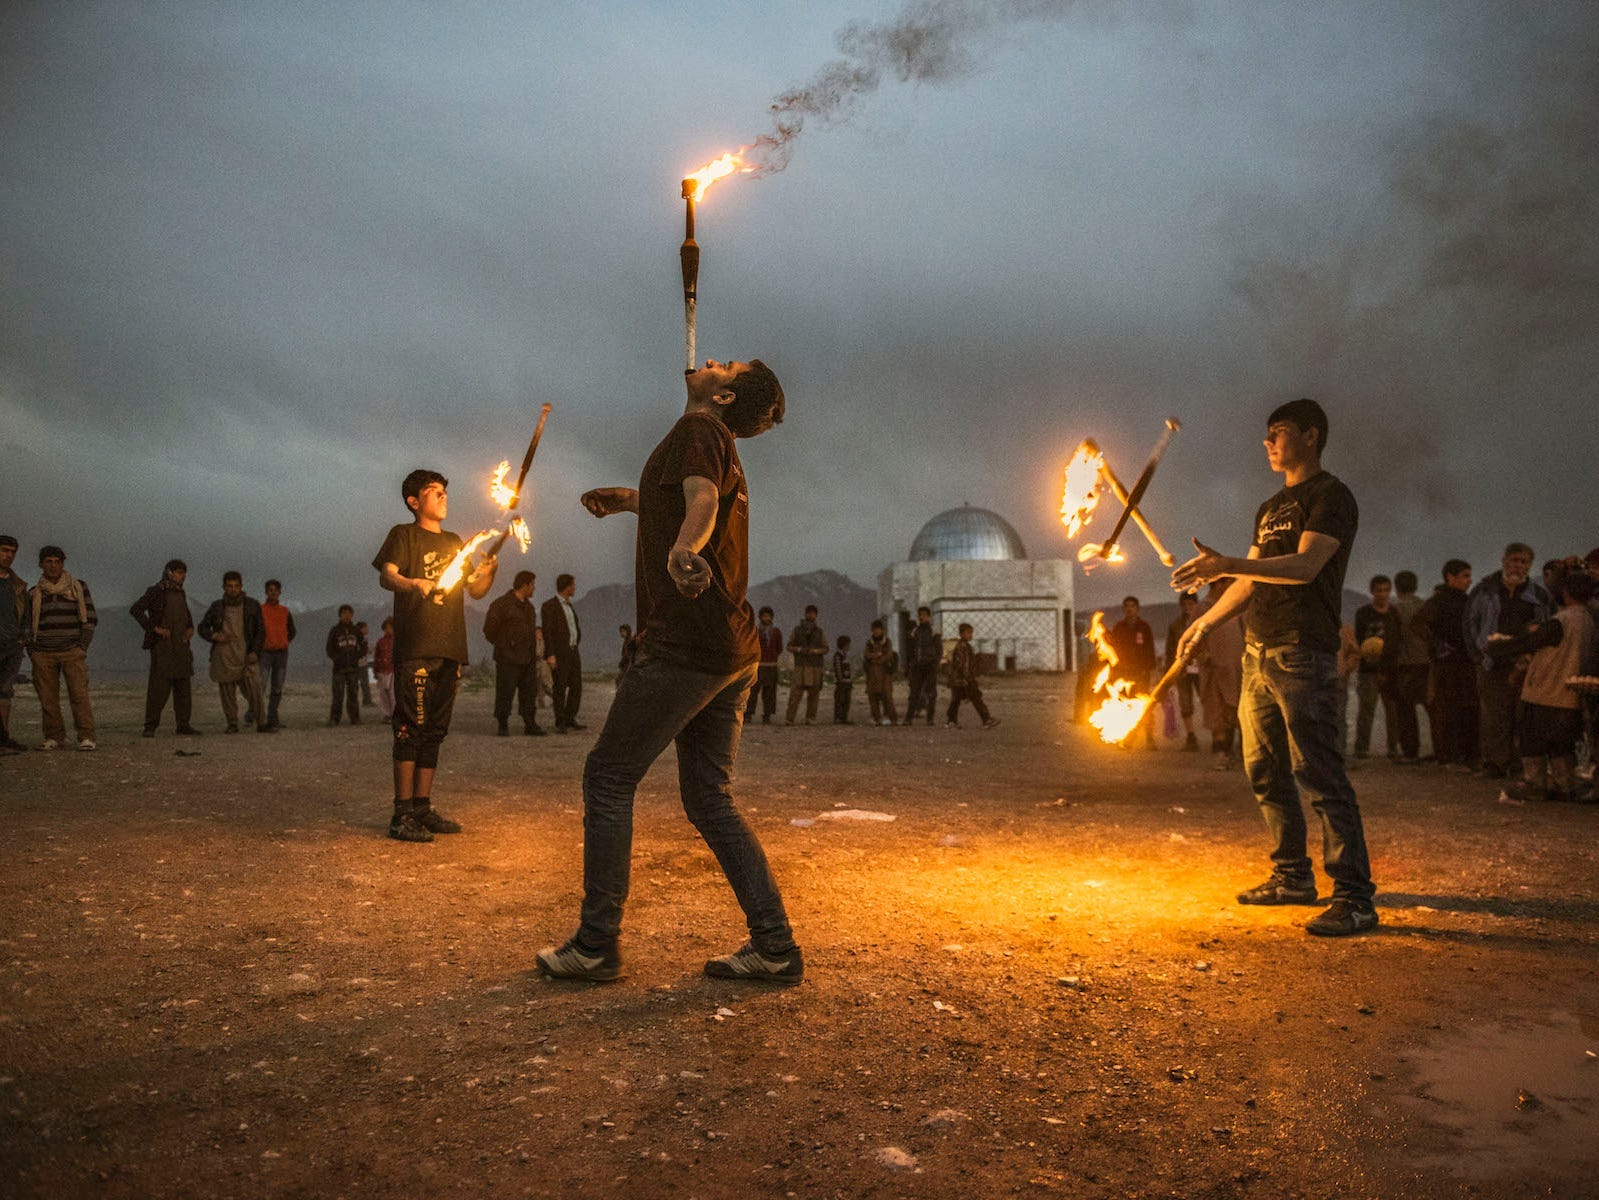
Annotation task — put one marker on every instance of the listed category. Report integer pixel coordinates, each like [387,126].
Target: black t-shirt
[424,628]
[715,631]
[1369,623]
[1304,614]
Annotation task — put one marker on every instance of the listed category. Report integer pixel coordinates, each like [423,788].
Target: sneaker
[188,731]
[49,744]
[266,728]
[576,725]
[749,963]
[993,721]
[571,961]
[404,827]
[85,743]
[434,821]
[1280,890]
[536,731]
[1342,918]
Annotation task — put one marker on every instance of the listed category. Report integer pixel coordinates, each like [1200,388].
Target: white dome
[967,533]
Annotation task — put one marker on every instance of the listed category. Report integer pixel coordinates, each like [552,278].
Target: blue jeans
[657,703]
[1289,713]
[274,665]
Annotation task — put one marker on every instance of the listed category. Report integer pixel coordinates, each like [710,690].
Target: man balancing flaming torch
[689,253]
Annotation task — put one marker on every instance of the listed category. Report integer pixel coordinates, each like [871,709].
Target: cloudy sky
[260,260]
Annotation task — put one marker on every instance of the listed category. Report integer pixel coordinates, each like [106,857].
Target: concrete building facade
[969,565]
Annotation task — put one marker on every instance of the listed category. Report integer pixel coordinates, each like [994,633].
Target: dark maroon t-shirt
[715,631]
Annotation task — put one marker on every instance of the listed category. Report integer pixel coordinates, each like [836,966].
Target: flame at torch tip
[1083,487]
[502,496]
[456,571]
[521,533]
[729,164]
[1121,712]
[1090,552]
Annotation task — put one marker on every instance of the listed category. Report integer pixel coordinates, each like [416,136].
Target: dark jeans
[1289,711]
[274,666]
[510,679]
[970,692]
[1453,711]
[924,691]
[566,687]
[657,703]
[346,689]
[1496,715]
[1410,694]
[841,696]
[765,690]
[156,691]
[1370,687]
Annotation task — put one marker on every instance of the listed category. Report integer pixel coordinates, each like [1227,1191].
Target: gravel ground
[219,978]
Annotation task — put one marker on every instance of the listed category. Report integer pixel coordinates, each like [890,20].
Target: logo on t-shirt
[434,563]
[1287,518]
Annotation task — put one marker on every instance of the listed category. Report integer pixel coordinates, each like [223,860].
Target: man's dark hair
[628,629]
[562,582]
[7,540]
[922,608]
[1303,414]
[388,624]
[1376,579]
[811,608]
[1518,548]
[879,625]
[360,624]
[1455,566]
[843,641]
[346,608]
[232,576]
[964,627]
[51,552]
[1576,586]
[1552,567]
[418,479]
[766,611]
[1134,599]
[273,583]
[1405,582]
[758,387]
[523,578]
[175,564]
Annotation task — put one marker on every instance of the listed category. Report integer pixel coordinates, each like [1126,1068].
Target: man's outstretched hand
[688,570]
[608,501]
[1205,566]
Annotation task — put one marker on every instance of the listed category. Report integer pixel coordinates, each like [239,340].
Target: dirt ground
[220,979]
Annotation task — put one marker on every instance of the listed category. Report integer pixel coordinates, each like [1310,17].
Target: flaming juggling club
[1140,486]
[689,253]
[521,478]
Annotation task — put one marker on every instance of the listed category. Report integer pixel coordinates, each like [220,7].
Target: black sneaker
[576,725]
[1342,918]
[571,961]
[405,828]
[992,723]
[434,821]
[749,963]
[1280,890]
[536,731]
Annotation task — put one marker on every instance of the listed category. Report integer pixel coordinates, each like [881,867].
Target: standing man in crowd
[1410,668]
[1188,681]
[345,649]
[511,625]
[163,613]
[1290,587]
[1377,631]
[882,661]
[808,645]
[234,627]
[13,610]
[278,626]
[697,660]
[770,638]
[926,653]
[1134,643]
[59,626]
[1452,679]
[562,635]
[963,682]
[429,647]
[1503,604]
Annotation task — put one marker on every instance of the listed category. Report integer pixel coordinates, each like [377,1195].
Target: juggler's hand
[688,570]
[608,501]
[1205,566]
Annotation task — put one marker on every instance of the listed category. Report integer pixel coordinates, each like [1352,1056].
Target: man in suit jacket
[562,635]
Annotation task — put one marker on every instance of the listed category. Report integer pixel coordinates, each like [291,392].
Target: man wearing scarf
[61,621]
[163,613]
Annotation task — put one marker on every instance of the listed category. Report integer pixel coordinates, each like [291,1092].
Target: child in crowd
[1549,714]
[843,682]
[881,663]
[346,647]
[963,682]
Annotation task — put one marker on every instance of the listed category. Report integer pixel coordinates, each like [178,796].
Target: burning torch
[1121,713]
[1140,486]
[694,186]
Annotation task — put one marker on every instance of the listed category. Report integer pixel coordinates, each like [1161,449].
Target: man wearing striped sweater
[60,625]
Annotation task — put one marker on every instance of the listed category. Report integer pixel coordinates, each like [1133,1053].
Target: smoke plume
[930,41]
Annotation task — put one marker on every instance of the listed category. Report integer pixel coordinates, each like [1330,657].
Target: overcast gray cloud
[260,260]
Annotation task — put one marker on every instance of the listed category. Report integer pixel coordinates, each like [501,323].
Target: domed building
[969,565]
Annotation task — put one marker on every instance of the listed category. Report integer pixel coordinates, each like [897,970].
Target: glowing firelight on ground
[720,168]
[1083,489]
[1121,711]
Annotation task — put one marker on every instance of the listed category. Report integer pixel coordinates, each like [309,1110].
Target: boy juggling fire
[429,647]
[696,663]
